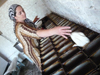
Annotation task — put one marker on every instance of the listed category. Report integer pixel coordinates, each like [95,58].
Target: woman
[24,32]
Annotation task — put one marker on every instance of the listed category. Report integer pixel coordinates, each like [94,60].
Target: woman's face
[20,14]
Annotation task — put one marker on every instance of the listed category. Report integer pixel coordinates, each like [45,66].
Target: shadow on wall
[2,2]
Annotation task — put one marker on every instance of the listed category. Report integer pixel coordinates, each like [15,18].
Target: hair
[15,11]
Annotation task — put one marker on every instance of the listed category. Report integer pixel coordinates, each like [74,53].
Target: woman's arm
[62,31]
[59,30]
[26,31]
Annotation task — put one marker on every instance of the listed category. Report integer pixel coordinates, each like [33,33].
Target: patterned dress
[24,33]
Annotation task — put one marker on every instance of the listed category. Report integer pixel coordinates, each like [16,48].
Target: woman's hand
[59,30]
[62,31]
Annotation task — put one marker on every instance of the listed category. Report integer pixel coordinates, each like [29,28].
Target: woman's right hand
[59,30]
[62,31]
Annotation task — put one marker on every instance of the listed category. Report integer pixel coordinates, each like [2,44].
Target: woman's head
[16,13]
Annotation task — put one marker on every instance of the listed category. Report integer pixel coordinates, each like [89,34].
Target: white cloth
[79,38]
[12,66]
[38,23]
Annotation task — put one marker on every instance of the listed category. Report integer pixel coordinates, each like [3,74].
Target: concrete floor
[29,69]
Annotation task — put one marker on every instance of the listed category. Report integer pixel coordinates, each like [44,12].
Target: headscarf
[12,11]
[12,14]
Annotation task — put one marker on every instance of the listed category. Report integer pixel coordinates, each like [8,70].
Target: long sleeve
[27,31]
